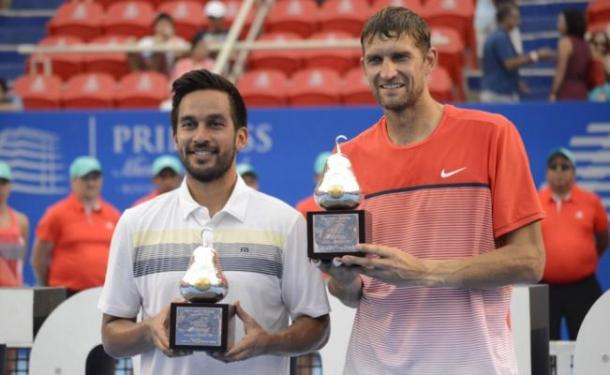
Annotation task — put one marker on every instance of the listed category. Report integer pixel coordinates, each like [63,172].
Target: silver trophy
[337,230]
[202,323]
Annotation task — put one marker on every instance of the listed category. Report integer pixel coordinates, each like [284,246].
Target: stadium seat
[188,16]
[114,64]
[64,65]
[129,18]
[142,90]
[339,59]
[293,16]
[440,85]
[310,87]
[263,88]
[284,60]
[89,90]
[344,15]
[415,5]
[598,11]
[450,49]
[455,14]
[356,89]
[79,19]
[39,91]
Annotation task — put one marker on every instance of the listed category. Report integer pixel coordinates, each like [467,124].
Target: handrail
[222,60]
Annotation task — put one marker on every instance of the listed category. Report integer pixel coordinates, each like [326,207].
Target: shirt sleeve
[303,290]
[49,227]
[515,201]
[120,296]
[601,217]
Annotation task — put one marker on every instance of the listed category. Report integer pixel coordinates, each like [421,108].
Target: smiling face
[397,70]
[206,138]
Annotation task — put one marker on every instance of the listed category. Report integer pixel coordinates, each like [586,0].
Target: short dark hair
[3,85]
[576,24]
[163,17]
[394,22]
[504,10]
[203,79]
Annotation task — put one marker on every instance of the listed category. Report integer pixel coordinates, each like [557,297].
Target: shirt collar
[78,204]
[236,204]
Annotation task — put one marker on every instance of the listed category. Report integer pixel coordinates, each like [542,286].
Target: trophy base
[333,234]
[201,326]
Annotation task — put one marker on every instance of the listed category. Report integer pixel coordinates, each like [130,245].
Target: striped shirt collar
[236,206]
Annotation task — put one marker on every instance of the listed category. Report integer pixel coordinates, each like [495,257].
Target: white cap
[215,9]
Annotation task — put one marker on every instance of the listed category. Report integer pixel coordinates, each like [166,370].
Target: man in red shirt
[73,236]
[309,204]
[575,232]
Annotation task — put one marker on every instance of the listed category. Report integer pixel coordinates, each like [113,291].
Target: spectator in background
[485,24]
[600,50]
[249,175]
[573,58]
[217,32]
[575,231]
[199,58]
[8,102]
[309,204]
[167,175]
[73,236]
[501,62]
[164,35]
[14,234]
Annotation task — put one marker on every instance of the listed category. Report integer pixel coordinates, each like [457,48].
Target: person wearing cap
[73,236]
[309,204]
[248,174]
[217,31]
[575,232]
[167,175]
[14,233]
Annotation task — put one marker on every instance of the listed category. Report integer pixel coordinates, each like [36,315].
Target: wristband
[533,55]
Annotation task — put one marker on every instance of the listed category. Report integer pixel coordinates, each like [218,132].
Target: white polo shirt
[261,243]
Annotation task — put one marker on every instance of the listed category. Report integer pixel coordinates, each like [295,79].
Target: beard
[224,160]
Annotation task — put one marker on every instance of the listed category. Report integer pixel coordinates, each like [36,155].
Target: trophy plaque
[337,230]
[202,323]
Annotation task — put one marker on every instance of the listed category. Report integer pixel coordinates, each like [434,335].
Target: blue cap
[243,168]
[167,161]
[83,165]
[562,151]
[320,163]
[5,171]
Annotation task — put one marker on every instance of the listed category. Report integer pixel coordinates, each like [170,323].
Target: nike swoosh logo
[451,173]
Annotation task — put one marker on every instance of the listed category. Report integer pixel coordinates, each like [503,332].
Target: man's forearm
[125,337]
[304,335]
[350,294]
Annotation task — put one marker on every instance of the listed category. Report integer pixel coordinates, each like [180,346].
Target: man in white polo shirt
[283,308]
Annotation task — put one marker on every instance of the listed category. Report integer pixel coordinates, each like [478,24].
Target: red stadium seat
[129,18]
[111,63]
[450,54]
[64,65]
[293,16]
[89,90]
[344,15]
[356,89]
[455,14]
[188,16]
[263,88]
[339,59]
[79,19]
[39,91]
[284,60]
[142,90]
[598,11]
[415,5]
[440,85]
[315,87]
